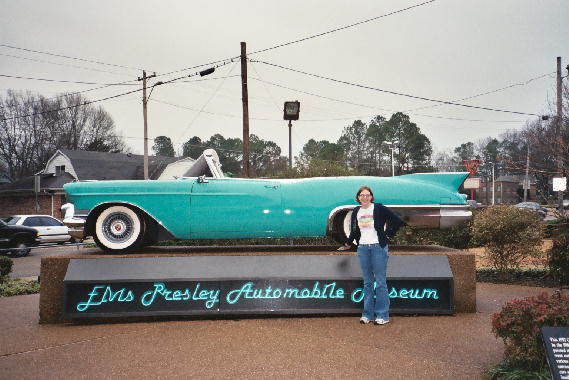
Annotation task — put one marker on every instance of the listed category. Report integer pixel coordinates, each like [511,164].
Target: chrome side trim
[422,216]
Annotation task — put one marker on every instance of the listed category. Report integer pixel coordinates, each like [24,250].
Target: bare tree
[33,127]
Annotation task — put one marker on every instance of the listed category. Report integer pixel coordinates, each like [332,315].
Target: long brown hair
[362,189]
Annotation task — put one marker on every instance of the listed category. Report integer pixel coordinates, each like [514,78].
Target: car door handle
[272,186]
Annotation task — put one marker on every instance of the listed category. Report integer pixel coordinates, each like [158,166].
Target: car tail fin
[454,180]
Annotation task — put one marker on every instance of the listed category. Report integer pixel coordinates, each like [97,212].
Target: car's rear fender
[338,212]
[422,216]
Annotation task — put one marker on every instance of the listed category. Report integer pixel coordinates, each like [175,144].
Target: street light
[145,99]
[391,145]
[291,112]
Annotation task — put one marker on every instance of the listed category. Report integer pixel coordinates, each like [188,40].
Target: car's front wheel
[21,248]
[119,228]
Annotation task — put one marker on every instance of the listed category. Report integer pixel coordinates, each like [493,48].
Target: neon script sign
[213,296]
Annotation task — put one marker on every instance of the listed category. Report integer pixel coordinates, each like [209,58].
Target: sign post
[291,112]
[472,167]
[560,185]
[556,344]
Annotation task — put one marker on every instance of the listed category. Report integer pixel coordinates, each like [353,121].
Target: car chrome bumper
[432,216]
[75,224]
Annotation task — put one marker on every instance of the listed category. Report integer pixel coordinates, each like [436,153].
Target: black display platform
[255,285]
[556,343]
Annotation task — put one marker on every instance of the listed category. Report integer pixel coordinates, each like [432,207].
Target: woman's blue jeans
[373,262]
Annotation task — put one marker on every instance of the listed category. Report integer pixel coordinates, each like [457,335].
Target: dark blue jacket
[381,216]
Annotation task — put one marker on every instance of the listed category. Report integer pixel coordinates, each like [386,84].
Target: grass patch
[17,287]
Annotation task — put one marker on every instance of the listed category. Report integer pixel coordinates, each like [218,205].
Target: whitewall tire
[342,226]
[119,228]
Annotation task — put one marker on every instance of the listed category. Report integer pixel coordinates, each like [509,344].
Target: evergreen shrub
[5,267]
[508,234]
[558,260]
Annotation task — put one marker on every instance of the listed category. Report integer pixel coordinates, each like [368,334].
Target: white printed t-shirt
[365,223]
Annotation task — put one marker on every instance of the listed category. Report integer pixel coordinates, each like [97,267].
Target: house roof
[47,182]
[114,166]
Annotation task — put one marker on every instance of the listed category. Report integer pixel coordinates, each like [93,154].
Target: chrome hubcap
[117,227]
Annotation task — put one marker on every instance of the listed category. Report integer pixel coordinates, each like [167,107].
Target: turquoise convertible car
[124,215]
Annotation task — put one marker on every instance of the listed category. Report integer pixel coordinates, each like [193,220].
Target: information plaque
[254,285]
[556,342]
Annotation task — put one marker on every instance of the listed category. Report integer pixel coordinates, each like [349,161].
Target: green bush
[519,323]
[507,371]
[558,260]
[508,234]
[16,287]
[558,254]
[5,267]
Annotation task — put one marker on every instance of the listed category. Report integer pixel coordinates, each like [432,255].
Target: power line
[69,81]
[63,64]
[72,106]
[488,92]
[322,120]
[210,78]
[309,37]
[103,99]
[394,92]
[342,28]
[192,109]
[70,57]
[224,61]
[377,108]
[206,103]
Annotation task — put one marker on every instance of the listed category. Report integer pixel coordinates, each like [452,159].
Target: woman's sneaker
[364,320]
[380,321]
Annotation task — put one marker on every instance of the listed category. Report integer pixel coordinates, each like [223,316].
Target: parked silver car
[533,206]
[50,229]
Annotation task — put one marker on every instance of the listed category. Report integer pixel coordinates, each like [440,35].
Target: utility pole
[526,180]
[144,115]
[493,180]
[558,149]
[245,99]
[290,144]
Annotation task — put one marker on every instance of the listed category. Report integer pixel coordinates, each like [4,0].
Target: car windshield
[12,220]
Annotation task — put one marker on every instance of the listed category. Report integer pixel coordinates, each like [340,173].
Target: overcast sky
[442,50]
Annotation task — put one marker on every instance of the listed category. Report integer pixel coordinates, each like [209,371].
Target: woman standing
[368,230]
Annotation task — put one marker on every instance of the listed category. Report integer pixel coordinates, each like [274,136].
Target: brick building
[507,189]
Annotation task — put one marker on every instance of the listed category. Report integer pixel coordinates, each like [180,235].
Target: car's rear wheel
[21,248]
[119,228]
[342,227]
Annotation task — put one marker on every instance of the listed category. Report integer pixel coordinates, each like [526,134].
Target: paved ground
[29,266]
[425,347]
